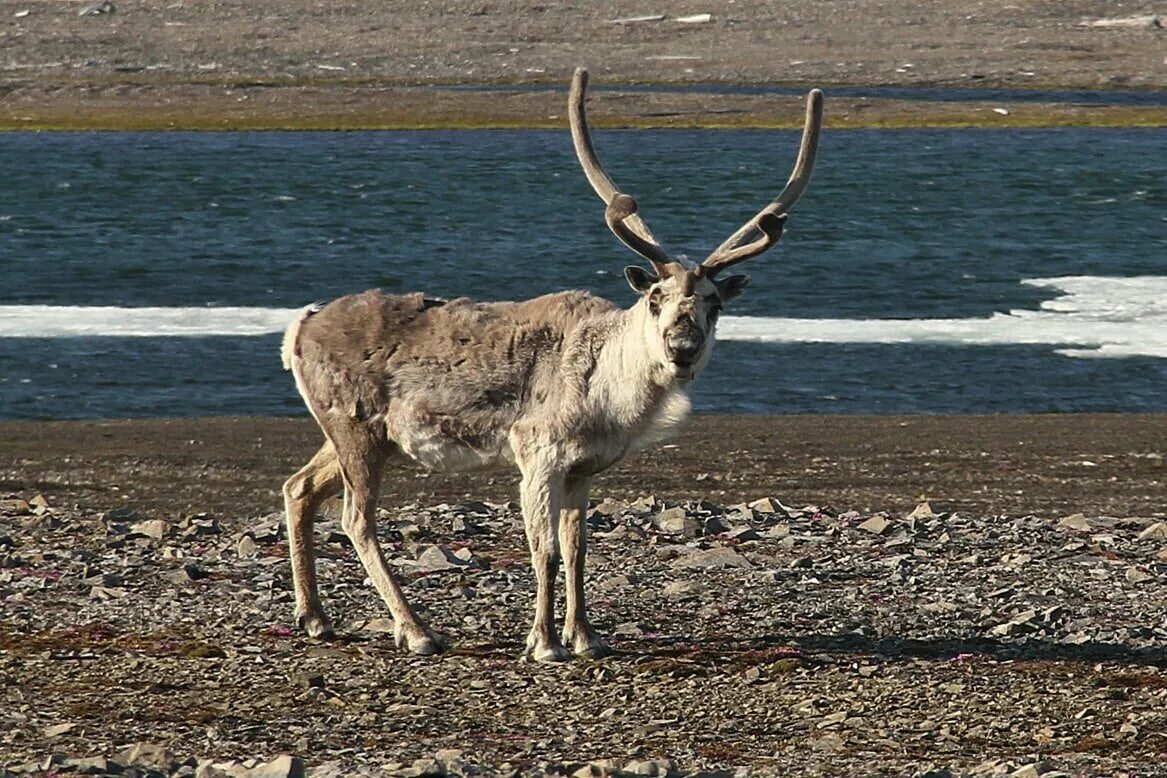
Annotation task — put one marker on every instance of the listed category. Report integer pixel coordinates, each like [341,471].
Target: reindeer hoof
[546,650]
[418,640]
[551,654]
[316,625]
[586,643]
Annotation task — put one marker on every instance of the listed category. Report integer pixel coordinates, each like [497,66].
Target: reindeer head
[680,302]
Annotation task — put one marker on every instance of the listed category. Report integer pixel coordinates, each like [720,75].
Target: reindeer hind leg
[362,459]
[303,494]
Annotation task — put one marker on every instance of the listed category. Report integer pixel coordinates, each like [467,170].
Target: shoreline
[254,106]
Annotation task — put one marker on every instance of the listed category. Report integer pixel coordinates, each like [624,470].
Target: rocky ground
[803,596]
[307,64]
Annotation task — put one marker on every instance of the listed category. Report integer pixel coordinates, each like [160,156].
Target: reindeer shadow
[814,647]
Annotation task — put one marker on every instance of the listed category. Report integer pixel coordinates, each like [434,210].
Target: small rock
[379,625]
[462,527]
[93,765]
[1136,576]
[712,558]
[434,558]
[1053,614]
[767,505]
[1074,523]
[15,506]
[283,766]
[617,582]
[744,534]
[602,769]
[1151,21]
[310,680]
[145,755]
[154,529]
[645,504]
[97,9]
[426,767]
[56,730]
[676,521]
[628,629]
[638,19]
[1157,531]
[186,574]
[610,507]
[922,511]
[876,525]
[246,548]
[714,526]
[933,772]
[682,589]
[828,743]
[665,768]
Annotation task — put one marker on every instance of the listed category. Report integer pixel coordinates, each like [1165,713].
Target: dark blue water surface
[896,225]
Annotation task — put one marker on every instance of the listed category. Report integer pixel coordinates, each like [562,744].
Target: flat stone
[876,525]
[56,730]
[766,505]
[152,528]
[145,755]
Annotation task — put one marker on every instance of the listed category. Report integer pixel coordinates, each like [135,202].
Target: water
[925,271]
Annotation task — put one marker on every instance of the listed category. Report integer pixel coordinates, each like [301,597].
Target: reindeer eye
[654,303]
[713,314]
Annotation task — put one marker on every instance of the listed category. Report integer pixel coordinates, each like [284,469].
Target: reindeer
[561,386]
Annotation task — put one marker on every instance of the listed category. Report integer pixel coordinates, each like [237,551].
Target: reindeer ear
[731,287]
[639,279]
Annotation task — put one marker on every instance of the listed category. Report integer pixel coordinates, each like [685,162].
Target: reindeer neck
[629,383]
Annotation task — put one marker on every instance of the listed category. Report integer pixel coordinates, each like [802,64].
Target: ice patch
[1093,317]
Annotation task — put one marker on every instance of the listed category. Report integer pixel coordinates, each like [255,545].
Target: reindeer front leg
[573,540]
[541,495]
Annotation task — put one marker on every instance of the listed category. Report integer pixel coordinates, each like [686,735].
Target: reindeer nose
[684,345]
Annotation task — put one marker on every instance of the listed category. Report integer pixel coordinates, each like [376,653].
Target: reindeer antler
[770,220]
[620,213]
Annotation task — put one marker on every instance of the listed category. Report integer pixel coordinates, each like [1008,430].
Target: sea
[925,271]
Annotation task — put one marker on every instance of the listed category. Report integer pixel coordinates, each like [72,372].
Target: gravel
[773,640]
